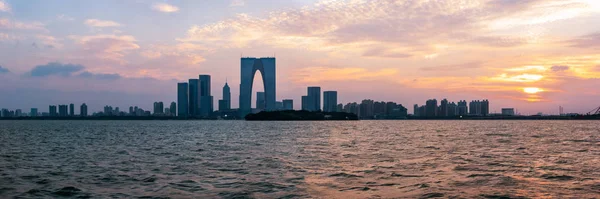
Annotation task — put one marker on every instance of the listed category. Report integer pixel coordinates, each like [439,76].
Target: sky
[532,55]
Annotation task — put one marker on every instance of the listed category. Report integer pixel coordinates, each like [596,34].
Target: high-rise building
[443,108]
[226,104]
[33,112]
[452,109]
[108,110]
[83,110]
[182,99]
[366,109]
[475,107]
[431,108]
[379,109]
[416,110]
[330,101]
[260,100]
[340,108]
[314,98]
[158,108]
[462,108]
[278,105]
[18,113]
[52,110]
[249,67]
[305,103]
[173,109]
[63,110]
[485,107]
[193,101]
[71,110]
[288,104]
[131,112]
[205,96]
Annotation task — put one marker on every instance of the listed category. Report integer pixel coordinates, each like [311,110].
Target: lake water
[354,159]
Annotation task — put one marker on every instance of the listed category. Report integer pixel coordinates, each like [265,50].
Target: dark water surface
[358,159]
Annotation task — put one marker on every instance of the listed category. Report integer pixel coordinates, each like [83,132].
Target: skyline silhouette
[535,56]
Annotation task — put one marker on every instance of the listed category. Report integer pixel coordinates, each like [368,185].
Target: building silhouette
[33,112]
[52,110]
[462,108]
[249,67]
[485,107]
[314,98]
[260,101]
[330,101]
[225,103]
[83,110]
[508,111]
[158,108]
[431,108]
[340,107]
[443,110]
[173,109]
[305,103]
[475,107]
[288,104]
[182,99]
[193,94]
[71,110]
[63,110]
[366,109]
[206,99]
[452,109]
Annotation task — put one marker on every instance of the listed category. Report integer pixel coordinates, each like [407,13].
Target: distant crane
[596,111]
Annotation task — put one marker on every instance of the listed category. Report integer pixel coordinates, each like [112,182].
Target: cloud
[55,68]
[4,7]
[9,24]
[103,76]
[455,67]
[101,23]
[386,53]
[559,68]
[164,7]
[68,70]
[586,41]
[399,28]
[3,70]
[320,74]
[63,17]
[109,47]
[49,41]
[235,3]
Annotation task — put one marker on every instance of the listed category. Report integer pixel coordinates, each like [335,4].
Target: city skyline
[535,56]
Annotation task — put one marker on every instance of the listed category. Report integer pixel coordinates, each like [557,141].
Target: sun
[532,90]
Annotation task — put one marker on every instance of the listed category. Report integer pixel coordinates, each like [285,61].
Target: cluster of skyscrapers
[370,109]
[194,97]
[451,109]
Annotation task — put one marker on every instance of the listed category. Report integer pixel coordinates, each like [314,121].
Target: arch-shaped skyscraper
[249,67]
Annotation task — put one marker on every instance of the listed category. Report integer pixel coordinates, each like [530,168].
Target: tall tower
[206,99]
[249,67]
[314,98]
[182,99]
[330,101]
[193,102]
[225,103]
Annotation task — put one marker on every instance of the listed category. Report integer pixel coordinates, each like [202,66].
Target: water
[356,159]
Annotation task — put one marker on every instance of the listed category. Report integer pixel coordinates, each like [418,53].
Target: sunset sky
[533,55]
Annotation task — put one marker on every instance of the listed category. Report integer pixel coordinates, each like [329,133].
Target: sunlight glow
[532,90]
